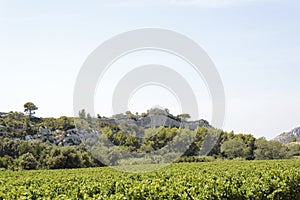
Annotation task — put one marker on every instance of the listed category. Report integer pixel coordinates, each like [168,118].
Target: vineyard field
[279,179]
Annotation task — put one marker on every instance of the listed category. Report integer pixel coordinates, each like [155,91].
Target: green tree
[6,161]
[129,114]
[65,123]
[266,150]
[64,157]
[167,110]
[28,161]
[89,117]
[87,160]
[294,150]
[56,162]
[184,116]
[233,148]
[82,114]
[30,108]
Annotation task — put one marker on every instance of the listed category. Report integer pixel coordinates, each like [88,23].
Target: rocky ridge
[288,137]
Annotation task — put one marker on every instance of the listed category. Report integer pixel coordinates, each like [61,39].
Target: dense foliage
[17,152]
[217,180]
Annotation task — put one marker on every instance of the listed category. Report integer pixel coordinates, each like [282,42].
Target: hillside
[63,131]
[29,142]
[288,137]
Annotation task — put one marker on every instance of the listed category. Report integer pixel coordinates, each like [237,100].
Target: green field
[213,180]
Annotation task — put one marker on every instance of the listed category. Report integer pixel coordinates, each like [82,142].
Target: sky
[254,44]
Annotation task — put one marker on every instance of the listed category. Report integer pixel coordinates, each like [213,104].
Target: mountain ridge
[289,137]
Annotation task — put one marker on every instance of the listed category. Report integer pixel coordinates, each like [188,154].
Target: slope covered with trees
[28,142]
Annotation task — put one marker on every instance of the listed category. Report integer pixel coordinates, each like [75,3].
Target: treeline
[207,144]
[19,154]
[18,125]
[225,145]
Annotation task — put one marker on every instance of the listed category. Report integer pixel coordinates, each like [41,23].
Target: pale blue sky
[254,44]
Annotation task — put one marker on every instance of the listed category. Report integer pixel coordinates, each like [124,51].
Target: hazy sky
[254,44]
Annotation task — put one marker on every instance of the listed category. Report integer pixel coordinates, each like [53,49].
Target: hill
[288,137]
[63,131]
[29,142]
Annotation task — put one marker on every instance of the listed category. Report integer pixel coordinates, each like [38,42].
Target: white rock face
[44,130]
[288,136]
[155,118]
[296,132]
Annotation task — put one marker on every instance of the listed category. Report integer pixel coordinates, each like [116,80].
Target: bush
[6,161]
[27,161]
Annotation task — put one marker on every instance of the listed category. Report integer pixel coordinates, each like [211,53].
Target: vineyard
[211,180]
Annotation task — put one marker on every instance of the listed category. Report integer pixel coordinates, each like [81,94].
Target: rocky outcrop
[44,130]
[127,122]
[155,118]
[288,137]
[3,114]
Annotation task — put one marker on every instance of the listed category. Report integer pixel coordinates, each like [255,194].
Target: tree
[294,139]
[184,116]
[28,161]
[233,148]
[129,114]
[82,114]
[89,117]
[294,150]
[64,157]
[29,108]
[65,123]
[144,114]
[6,161]
[266,150]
